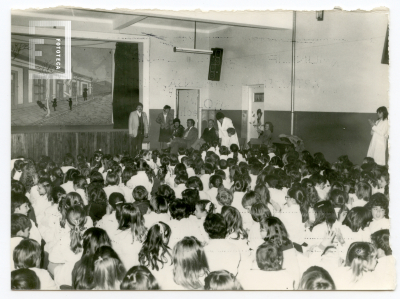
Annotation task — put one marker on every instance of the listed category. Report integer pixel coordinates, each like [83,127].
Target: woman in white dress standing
[379,132]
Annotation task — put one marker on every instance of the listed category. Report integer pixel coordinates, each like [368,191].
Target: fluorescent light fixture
[193,51]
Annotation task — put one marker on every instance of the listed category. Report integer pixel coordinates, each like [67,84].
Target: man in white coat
[224,124]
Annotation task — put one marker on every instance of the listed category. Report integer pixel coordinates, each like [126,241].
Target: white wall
[170,70]
[247,61]
[338,65]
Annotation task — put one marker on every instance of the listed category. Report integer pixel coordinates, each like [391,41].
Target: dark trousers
[137,144]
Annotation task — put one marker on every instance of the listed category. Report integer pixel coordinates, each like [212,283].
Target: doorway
[59,90]
[187,106]
[256,103]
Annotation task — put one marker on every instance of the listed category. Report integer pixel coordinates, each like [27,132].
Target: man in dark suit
[210,134]
[191,134]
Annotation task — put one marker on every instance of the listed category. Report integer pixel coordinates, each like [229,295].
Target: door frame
[175,107]
[250,90]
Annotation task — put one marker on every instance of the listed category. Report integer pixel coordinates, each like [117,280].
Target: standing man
[165,119]
[138,128]
[224,124]
[191,133]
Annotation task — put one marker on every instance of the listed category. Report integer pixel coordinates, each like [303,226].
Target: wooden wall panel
[57,144]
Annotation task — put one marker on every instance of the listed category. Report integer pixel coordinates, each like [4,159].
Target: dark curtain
[126,83]
[385,54]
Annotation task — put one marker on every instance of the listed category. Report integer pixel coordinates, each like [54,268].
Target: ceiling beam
[124,21]
[253,19]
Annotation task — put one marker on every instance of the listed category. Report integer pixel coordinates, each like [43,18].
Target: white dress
[223,134]
[377,147]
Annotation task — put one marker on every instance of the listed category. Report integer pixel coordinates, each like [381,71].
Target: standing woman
[165,119]
[379,132]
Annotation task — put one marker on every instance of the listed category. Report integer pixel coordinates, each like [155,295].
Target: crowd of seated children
[216,218]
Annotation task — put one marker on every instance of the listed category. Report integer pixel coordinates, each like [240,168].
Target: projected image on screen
[86,99]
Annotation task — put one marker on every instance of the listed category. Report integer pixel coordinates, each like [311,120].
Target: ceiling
[206,22]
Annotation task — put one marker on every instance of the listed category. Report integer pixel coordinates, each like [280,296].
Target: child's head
[380,239]
[140,193]
[223,164]
[92,239]
[45,187]
[154,250]
[215,181]
[263,192]
[324,212]
[70,175]
[361,256]
[379,206]
[223,150]
[139,278]
[194,182]
[221,173]
[190,263]
[318,180]
[57,194]
[231,131]
[167,192]
[130,217]
[17,188]
[249,199]
[80,182]
[179,209]
[108,269]
[358,218]
[116,199]
[240,186]
[269,257]
[191,197]
[173,159]
[208,168]
[112,179]
[259,211]
[20,226]
[363,191]
[203,208]
[20,204]
[234,221]
[224,197]
[215,226]
[316,278]
[27,254]
[222,281]
[273,230]
[338,198]
[181,179]
[24,279]
[159,204]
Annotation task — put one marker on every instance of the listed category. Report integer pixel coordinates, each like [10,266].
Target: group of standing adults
[174,135]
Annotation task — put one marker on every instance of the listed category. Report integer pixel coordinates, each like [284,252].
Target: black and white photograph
[190,150]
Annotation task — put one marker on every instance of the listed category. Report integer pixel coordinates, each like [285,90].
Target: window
[39,89]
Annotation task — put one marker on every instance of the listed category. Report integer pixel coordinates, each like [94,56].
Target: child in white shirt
[20,227]
[109,221]
[379,208]
[27,255]
[363,194]
[112,182]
